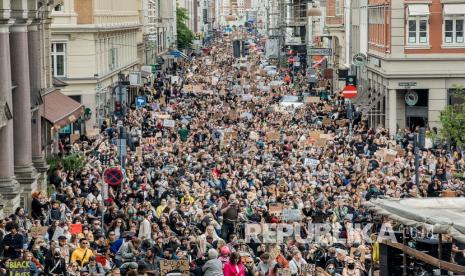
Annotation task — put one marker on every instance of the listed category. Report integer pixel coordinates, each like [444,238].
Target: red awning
[61,110]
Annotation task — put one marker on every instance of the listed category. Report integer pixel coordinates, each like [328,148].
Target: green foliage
[185,35]
[72,162]
[453,120]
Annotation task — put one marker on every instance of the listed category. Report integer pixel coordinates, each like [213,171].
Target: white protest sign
[168,123]
[247,97]
[291,214]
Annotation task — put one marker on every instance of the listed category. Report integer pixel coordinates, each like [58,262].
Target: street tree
[185,35]
[453,118]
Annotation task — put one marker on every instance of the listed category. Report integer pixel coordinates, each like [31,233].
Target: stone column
[35,75]
[24,169]
[9,187]
[392,111]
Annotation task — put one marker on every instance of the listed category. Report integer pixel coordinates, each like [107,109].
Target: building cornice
[92,28]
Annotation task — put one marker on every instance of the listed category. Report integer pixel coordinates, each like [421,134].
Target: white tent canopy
[442,215]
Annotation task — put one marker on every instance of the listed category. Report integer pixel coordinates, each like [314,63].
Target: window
[417,30]
[337,4]
[59,8]
[453,30]
[113,59]
[59,59]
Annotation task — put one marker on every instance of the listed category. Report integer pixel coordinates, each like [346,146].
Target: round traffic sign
[349,92]
[113,176]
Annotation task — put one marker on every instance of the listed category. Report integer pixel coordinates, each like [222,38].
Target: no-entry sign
[349,92]
[113,176]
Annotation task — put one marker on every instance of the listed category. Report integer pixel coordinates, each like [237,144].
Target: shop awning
[61,110]
[444,215]
[454,9]
[177,54]
[418,10]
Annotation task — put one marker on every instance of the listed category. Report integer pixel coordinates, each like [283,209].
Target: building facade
[159,30]
[93,41]
[416,52]
[30,106]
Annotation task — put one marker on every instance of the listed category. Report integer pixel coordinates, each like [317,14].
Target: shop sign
[319,51]
[407,84]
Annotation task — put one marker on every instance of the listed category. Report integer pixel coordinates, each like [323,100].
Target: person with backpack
[82,254]
[55,264]
[94,268]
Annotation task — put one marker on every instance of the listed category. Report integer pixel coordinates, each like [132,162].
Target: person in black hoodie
[55,264]
[13,242]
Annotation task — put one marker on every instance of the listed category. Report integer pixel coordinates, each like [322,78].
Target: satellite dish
[359,59]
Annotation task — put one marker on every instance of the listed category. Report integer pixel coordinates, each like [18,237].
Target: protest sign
[247,115]
[312,99]
[389,156]
[75,229]
[232,115]
[247,97]
[174,79]
[188,88]
[321,142]
[169,123]
[342,123]
[283,272]
[449,193]
[253,135]
[214,80]
[92,132]
[169,266]
[308,270]
[37,231]
[315,134]
[326,121]
[139,152]
[272,136]
[275,209]
[74,137]
[291,214]
[150,140]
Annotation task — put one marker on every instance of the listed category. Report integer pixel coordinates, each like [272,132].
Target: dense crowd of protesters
[191,189]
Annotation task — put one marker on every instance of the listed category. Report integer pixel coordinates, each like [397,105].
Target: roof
[443,215]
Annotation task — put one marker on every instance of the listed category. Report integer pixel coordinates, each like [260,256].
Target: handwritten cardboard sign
[180,266]
[272,136]
[312,99]
[308,270]
[253,135]
[326,121]
[283,272]
[150,140]
[321,142]
[37,231]
[275,209]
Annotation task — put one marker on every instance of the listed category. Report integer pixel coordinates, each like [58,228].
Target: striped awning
[61,110]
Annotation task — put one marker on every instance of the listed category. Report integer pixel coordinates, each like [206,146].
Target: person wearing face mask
[55,264]
[350,269]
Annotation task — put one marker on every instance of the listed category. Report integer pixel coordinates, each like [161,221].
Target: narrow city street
[258,141]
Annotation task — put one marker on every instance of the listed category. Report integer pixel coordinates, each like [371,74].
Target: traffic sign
[349,92]
[319,51]
[113,176]
[141,101]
